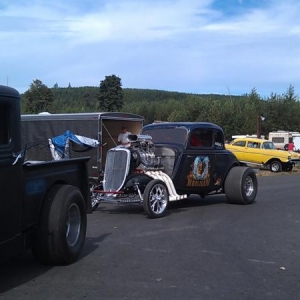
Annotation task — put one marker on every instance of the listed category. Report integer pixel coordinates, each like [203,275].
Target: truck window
[4,124]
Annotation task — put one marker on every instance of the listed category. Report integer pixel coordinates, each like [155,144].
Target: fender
[173,196]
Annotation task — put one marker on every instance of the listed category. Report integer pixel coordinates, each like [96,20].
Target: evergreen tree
[89,101]
[290,107]
[290,95]
[111,94]
[38,98]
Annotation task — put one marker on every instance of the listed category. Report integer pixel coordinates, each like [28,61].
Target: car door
[10,175]
[196,167]
[254,152]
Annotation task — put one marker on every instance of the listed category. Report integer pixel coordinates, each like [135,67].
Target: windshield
[176,135]
[269,145]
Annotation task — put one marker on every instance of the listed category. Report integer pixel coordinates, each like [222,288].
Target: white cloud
[188,46]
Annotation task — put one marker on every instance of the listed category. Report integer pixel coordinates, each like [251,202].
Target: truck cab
[43,204]
[10,172]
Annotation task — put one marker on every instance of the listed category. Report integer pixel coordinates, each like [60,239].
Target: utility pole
[258,127]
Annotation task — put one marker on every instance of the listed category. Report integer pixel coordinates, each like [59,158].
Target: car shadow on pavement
[195,201]
[20,270]
[127,208]
[174,206]
[24,268]
[91,244]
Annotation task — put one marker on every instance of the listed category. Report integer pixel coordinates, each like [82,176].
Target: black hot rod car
[168,162]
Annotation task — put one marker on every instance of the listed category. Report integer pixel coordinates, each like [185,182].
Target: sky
[190,46]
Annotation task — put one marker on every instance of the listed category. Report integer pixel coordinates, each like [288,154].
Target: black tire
[156,199]
[241,185]
[92,185]
[62,227]
[275,166]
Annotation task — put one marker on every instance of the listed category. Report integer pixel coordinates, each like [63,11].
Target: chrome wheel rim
[249,186]
[158,199]
[73,224]
[275,167]
[94,201]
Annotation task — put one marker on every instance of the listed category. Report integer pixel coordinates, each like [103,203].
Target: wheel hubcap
[73,224]
[275,167]
[158,199]
[94,201]
[249,186]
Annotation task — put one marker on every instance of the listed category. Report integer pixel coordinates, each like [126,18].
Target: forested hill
[136,95]
[78,95]
[236,114]
[84,99]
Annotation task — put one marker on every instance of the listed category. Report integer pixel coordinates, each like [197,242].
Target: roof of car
[187,125]
[257,140]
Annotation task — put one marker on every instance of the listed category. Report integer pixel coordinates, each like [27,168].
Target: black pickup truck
[43,205]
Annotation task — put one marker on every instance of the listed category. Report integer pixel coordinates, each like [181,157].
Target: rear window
[219,140]
[201,137]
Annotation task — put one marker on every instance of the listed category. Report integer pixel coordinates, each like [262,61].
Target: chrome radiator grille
[116,168]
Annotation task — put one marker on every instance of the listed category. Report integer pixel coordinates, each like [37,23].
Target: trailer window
[277,139]
[4,124]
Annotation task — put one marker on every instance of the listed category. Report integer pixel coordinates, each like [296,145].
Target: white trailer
[296,140]
[280,138]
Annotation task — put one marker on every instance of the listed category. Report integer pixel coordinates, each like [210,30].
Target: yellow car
[263,153]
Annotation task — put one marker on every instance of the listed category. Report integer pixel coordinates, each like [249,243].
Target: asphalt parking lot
[203,249]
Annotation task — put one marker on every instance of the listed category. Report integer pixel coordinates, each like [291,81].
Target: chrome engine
[121,161]
[142,152]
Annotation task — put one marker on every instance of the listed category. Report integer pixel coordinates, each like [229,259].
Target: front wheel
[241,185]
[93,184]
[156,199]
[275,166]
[62,227]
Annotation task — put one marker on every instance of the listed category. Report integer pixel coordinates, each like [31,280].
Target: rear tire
[241,185]
[62,227]
[156,199]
